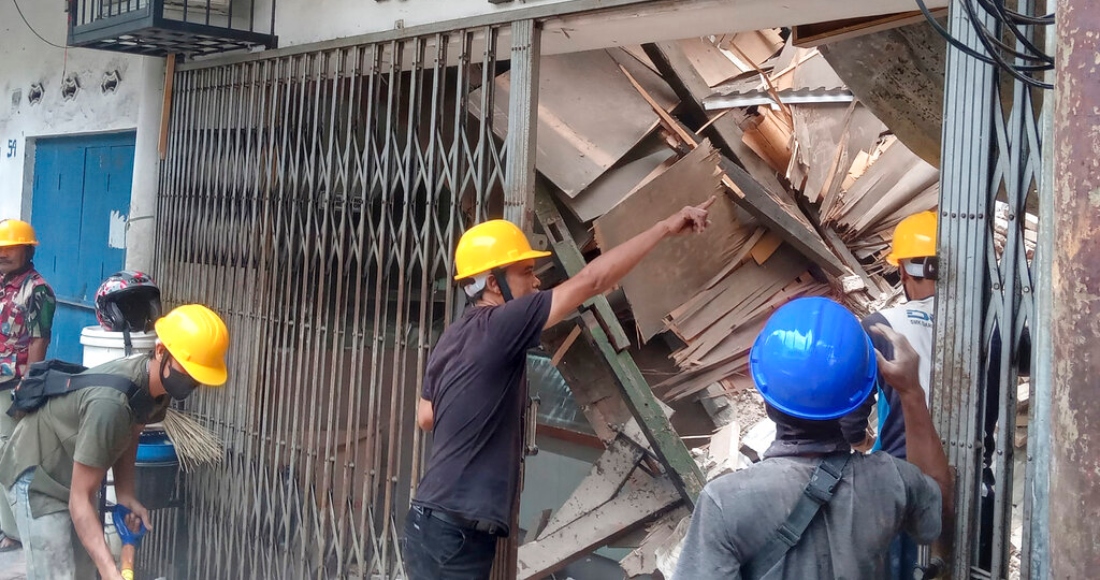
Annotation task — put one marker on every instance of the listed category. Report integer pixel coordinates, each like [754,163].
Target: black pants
[438,550]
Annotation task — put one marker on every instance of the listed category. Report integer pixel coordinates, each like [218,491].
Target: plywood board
[757,45]
[621,180]
[590,115]
[678,267]
[709,61]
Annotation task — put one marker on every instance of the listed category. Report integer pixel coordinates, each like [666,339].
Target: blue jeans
[438,550]
[903,557]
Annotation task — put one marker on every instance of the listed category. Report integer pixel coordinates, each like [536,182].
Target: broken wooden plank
[603,482]
[650,498]
[644,406]
[845,254]
[767,246]
[643,560]
[819,130]
[668,554]
[888,184]
[592,385]
[680,266]
[709,61]
[738,290]
[757,45]
[560,353]
[773,214]
[768,133]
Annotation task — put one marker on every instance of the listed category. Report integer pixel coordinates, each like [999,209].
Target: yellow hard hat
[17,233]
[490,245]
[915,237]
[196,337]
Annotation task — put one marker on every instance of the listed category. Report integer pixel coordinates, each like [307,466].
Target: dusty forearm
[90,531]
[123,469]
[606,271]
[923,447]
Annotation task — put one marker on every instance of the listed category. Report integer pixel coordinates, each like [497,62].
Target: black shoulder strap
[82,381]
[818,492]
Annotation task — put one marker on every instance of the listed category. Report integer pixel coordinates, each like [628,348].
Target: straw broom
[195,445]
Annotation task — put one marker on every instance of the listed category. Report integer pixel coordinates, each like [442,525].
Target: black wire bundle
[1027,63]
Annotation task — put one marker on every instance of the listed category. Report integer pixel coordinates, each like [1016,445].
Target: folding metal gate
[986,312]
[314,199]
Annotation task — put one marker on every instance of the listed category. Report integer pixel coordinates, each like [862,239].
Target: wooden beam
[166,107]
[678,71]
[819,33]
[750,195]
[601,328]
[850,259]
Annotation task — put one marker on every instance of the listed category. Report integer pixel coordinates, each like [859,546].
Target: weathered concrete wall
[898,75]
[29,61]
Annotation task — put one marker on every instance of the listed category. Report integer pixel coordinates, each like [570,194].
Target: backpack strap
[82,381]
[818,492]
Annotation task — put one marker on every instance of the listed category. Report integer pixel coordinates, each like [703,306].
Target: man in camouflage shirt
[26,316]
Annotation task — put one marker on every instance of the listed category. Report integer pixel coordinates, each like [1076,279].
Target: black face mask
[177,384]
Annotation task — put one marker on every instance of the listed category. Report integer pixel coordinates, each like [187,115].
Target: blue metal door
[79,210]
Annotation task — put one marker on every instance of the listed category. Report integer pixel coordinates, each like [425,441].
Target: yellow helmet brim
[529,255]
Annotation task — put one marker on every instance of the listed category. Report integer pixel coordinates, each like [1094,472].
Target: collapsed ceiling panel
[590,116]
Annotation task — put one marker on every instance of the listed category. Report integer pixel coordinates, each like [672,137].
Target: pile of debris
[810,186]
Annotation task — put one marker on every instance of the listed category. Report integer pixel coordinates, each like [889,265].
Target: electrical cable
[31,28]
[988,40]
[1029,59]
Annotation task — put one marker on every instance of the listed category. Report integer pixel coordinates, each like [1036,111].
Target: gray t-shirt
[737,514]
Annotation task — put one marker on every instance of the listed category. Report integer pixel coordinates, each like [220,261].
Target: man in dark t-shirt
[474,390]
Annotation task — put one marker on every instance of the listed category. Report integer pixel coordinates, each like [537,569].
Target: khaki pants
[51,546]
[7,427]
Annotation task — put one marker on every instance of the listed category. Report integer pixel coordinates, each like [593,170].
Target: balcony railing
[162,27]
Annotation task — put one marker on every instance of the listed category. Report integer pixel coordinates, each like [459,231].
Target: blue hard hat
[813,360]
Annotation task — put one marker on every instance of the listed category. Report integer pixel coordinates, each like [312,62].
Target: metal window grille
[314,200]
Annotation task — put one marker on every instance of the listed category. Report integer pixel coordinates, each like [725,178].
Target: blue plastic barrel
[156,470]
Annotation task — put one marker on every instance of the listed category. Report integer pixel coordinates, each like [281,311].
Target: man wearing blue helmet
[812,508]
